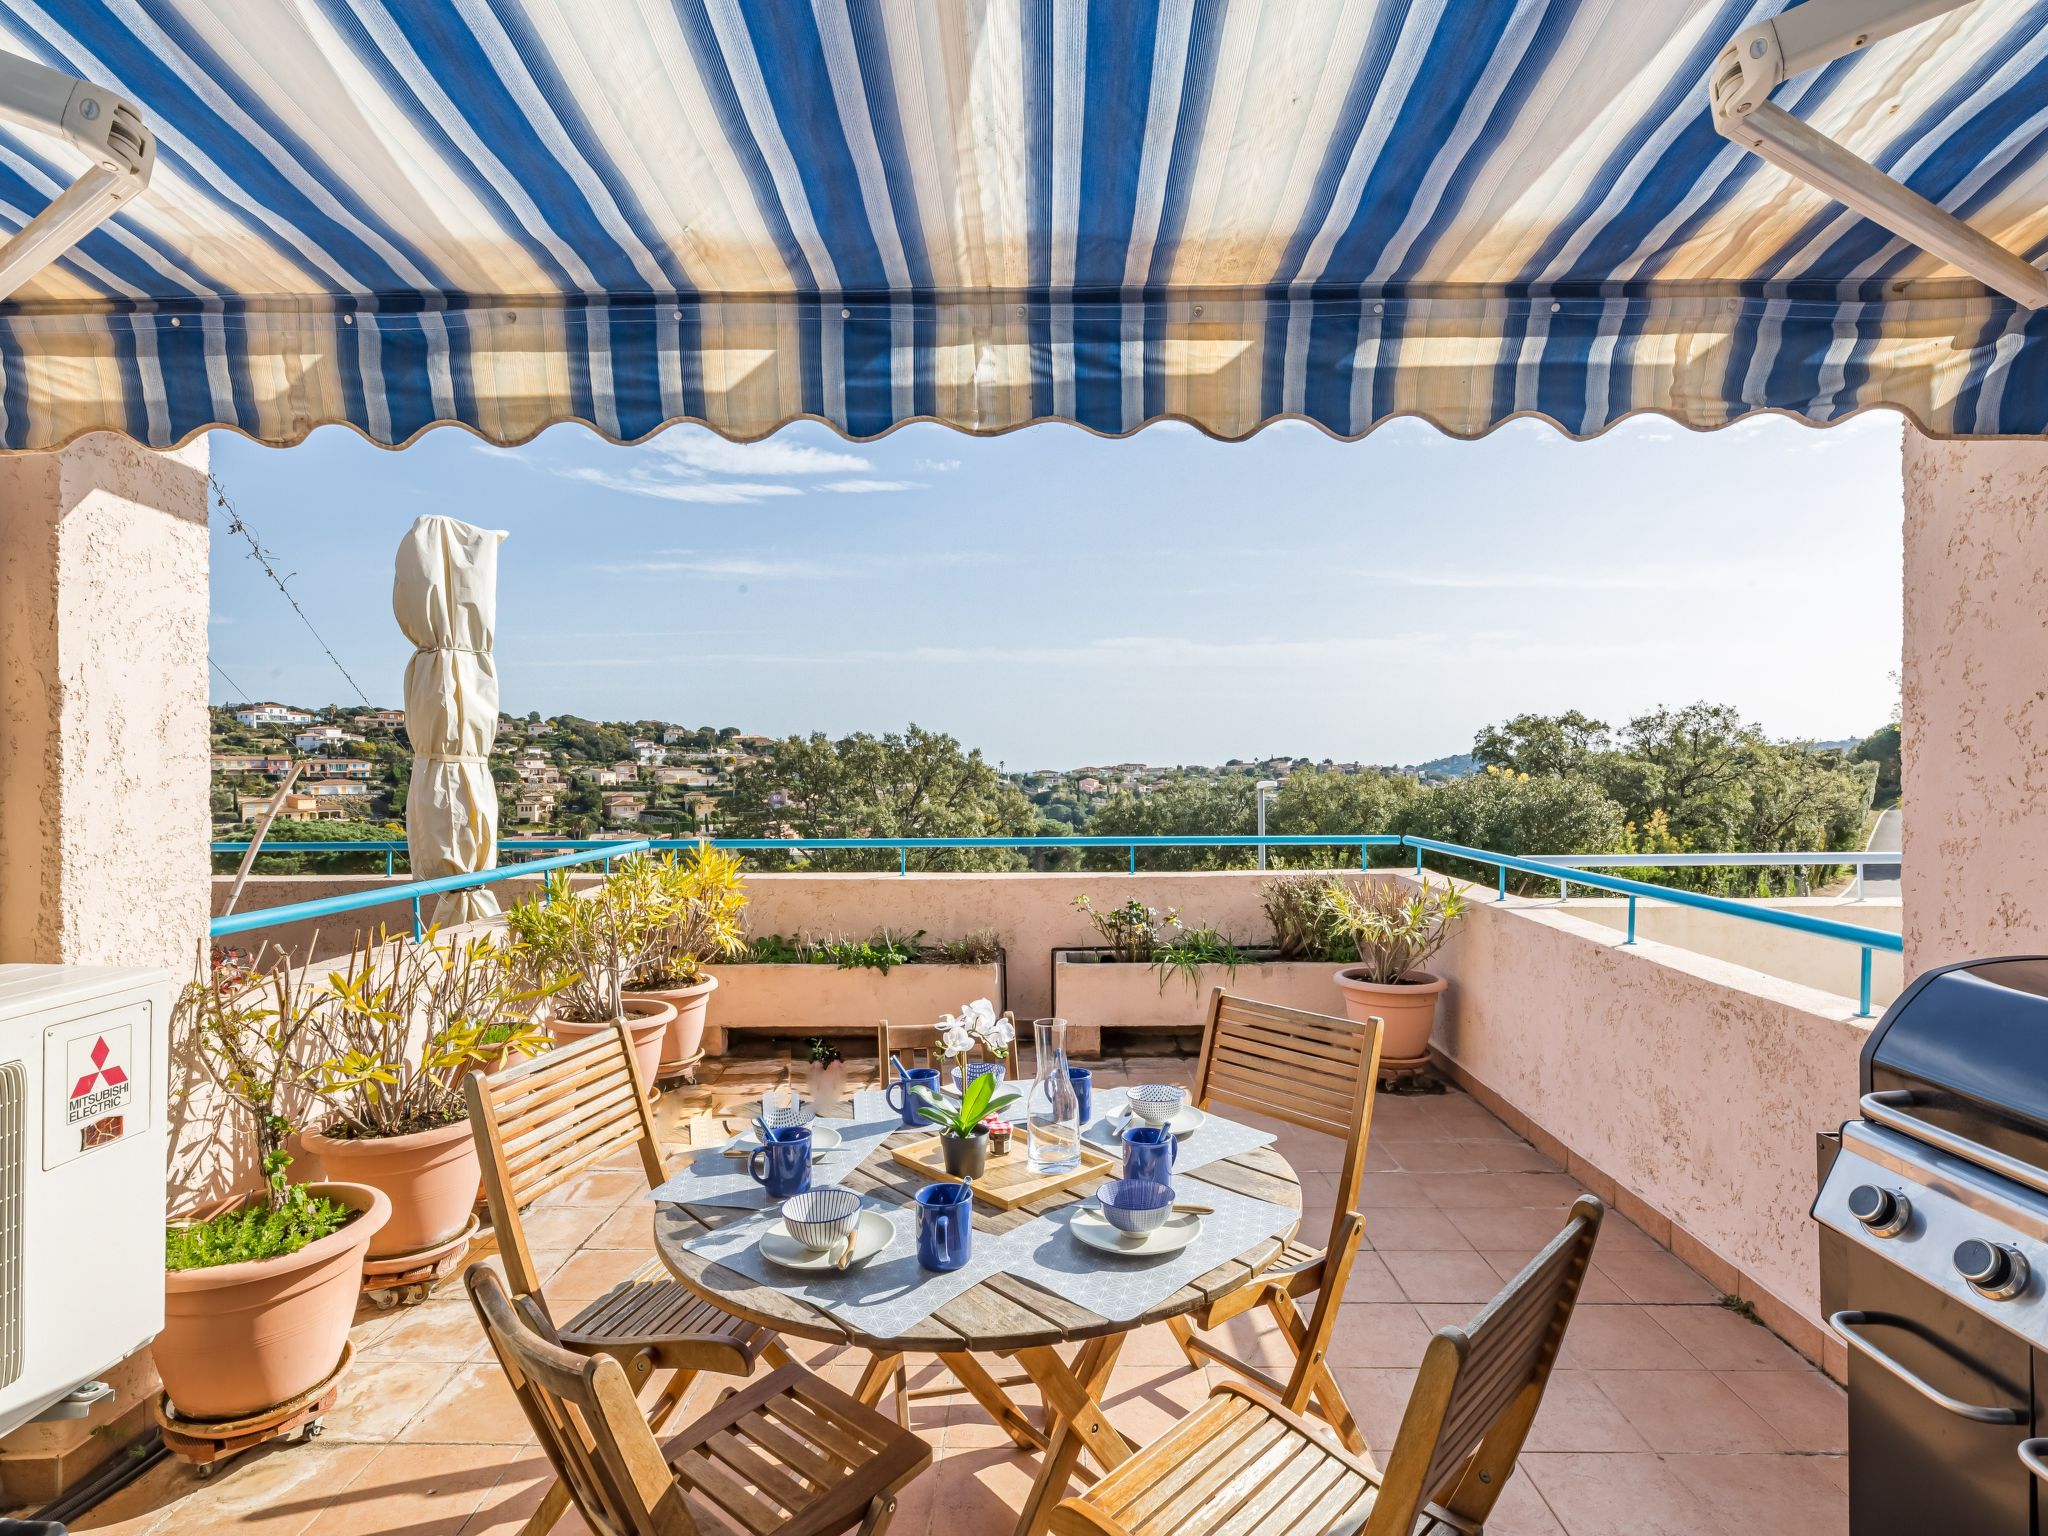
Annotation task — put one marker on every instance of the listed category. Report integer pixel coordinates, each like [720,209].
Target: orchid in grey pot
[963,1137]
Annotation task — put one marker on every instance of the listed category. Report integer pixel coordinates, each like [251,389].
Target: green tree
[1882,747]
[1516,813]
[1325,800]
[1185,805]
[919,784]
[1542,745]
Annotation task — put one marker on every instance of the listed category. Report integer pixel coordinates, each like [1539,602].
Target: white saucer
[869,1238]
[1173,1234]
[1184,1121]
[823,1139]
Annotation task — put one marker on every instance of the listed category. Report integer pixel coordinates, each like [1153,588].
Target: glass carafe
[1052,1120]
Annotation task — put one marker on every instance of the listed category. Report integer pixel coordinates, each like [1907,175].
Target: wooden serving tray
[1008,1181]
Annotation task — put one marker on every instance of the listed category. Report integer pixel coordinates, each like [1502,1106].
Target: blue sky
[1057,598]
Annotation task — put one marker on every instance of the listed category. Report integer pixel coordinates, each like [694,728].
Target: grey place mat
[885,1296]
[709,1177]
[1217,1139]
[1119,1288]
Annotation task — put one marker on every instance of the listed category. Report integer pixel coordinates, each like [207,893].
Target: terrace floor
[1669,1415]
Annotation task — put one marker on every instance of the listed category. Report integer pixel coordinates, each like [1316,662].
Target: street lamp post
[1265,788]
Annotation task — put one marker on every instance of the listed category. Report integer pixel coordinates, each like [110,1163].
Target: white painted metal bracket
[108,128]
[1760,58]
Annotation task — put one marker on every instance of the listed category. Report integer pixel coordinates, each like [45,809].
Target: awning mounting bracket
[1760,58]
[106,126]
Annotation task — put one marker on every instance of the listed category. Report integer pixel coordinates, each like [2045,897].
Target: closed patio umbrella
[445,595]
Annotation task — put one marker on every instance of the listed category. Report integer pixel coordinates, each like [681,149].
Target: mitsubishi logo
[113,1076]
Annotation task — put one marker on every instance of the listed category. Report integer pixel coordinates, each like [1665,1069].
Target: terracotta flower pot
[647,1021]
[684,1045]
[430,1176]
[239,1338]
[1408,1007]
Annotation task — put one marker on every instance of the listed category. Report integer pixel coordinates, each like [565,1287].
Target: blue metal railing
[412,891]
[1868,939]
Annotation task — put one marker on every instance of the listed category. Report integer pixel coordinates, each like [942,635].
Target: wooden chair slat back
[1480,1386]
[1308,1069]
[585,1416]
[546,1121]
[917,1045]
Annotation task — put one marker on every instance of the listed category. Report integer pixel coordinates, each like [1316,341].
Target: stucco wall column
[1975,679]
[103,743]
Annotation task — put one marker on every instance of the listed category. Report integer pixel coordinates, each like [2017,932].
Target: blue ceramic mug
[1084,1090]
[902,1094]
[945,1225]
[783,1165]
[1149,1153]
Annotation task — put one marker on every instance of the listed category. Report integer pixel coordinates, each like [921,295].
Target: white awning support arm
[1761,58]
[107,127]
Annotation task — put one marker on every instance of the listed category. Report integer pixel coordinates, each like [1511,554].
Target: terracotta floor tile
[1659,1278]
[1618,1495]
[434,1330]
[608,1187]
[1471,1191]
[1722,1340]
[383,1394]
[1392,1228]
[1577,1416]
[1806,1408]
[1522,1512]
[1453,1275]
[1434,1156]
[1687,1411]
[475,1408]
[1620,1235]
[561,1226]
[1145,1401]
[1767,1495]
[1378,1333]
[1621,1338]
[1152,1345]
[1390,1191]
[419,1490]
[1595,1290]
[591,1273]
[630,1226]
[1370,1281]
[1506,1229]
[1378,1395]
[269,1492]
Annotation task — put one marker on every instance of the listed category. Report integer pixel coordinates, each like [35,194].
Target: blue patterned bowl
[1156,1103]
[821,1218]
[1134,1205]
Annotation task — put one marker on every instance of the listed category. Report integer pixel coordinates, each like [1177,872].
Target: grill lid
[1969,1044]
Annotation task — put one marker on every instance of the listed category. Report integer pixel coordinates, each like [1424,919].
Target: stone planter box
[802,1000]
[1092,994]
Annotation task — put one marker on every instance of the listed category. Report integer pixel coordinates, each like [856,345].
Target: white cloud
[869,487]
[705,453]
[771,567]
[936,466]
[641,482]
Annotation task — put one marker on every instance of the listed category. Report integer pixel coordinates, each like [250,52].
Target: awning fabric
[507,213]
[444,594]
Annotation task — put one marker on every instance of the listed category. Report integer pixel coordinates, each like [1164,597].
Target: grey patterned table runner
[709,1177]
[1217,1139]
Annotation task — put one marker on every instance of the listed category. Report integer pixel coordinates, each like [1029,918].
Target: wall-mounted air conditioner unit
[84,1057]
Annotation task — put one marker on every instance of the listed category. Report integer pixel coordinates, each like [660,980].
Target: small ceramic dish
[874,1233]
[820,1218]
[1170,1236]
[823,1139]
[1134,1205]
[776,1114]
[1156,1103]
[1184,1122]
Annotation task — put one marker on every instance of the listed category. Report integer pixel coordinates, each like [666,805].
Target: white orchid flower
[981,1012]
[1000,1035]
[956,1039]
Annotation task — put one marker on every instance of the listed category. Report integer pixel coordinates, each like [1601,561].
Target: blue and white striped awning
[508,213]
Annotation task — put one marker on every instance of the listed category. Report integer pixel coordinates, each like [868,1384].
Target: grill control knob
[1992,1268]
[1882,1212]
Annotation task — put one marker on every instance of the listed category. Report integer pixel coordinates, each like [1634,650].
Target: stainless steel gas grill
[1934,1258]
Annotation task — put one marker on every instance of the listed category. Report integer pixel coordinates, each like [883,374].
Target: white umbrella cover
[444,593]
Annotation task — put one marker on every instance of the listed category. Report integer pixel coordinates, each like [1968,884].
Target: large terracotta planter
[239,1338]
[431,1178]
[683,1047]
[1408,1006]
[647,1021]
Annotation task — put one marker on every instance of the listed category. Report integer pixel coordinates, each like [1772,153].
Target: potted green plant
[258,1297]
[408,1022]
[705,901]
[978,1030]
[1397,931]
[963,1138]
[591,945]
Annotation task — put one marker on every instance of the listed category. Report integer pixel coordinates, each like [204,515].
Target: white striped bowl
[1156,1103]
[821,1218]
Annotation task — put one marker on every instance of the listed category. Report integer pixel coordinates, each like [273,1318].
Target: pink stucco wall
[1975,680]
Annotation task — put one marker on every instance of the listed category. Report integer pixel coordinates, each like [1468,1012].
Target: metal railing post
[1859,880]
[418,932]
[1631,921]
[1503,884]
[1863,992]
[1134,858]
[390,863]
[1418,861]
[903,860]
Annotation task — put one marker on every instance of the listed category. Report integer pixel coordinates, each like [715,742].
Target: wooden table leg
[1074,1414]
[1012,1420]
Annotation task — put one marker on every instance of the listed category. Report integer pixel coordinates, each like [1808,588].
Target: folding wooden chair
[917,1045]
[1311,1070]
[549,1120]
[1244,1463]
[787,1454]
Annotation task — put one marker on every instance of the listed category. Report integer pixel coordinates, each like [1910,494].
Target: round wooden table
[1002,1316]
